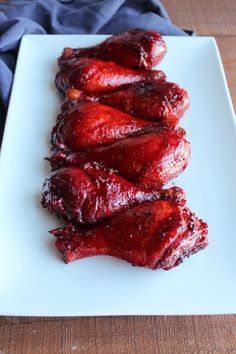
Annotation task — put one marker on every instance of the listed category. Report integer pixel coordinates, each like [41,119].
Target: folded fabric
[70,17]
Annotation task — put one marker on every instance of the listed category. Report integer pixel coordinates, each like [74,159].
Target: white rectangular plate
[33,278]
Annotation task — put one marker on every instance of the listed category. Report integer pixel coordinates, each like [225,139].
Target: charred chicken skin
[150,159]
[96,76]
[152,99]
[154,234]
[115,145]
[136,49]
[91,124]
[156,100]
[90,194]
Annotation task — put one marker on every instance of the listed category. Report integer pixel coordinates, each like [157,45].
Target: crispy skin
[156,100]
[152,100]
[137,49]
[91,124]
[90,194]
[157,234]
[151,159]
[97,76]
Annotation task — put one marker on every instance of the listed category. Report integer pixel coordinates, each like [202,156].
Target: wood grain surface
[154,334]
[215,18]
[206,17]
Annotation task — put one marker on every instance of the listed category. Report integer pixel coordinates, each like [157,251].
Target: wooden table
[174,335]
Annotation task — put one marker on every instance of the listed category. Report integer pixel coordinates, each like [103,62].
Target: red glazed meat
[151,159]
[156,100]
[96,76]
[152,100]
[91,124]
[90,194]
[137,49]
[155,234]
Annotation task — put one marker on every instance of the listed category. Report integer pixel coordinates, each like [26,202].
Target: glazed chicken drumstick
[92,124]
[151,159]
[96,76]
[91,193]
[115,145]
[156,100]
[157,234]
[137,49]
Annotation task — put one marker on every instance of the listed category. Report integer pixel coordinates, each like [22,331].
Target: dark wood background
[154,334]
